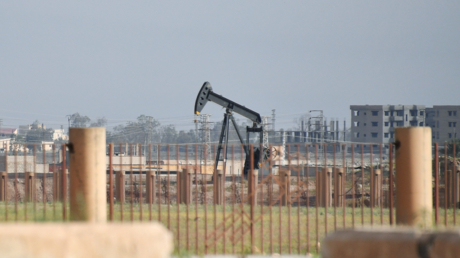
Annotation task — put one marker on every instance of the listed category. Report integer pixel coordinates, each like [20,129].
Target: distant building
[8,132]
[446,123]
[377,123]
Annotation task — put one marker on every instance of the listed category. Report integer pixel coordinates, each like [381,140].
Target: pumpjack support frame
[207,94]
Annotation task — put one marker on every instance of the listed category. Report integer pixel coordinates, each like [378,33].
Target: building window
[364,124]
[450,135]
[364,135]
[413,112]
[375,123]
[399,123]
[437,125]
[374,135]
[437,135]
[421,113]
[420,124]
[392,135]
[455,113]
[437,113]
[450,124]
[386,123]
[454,124]
[413,123]
[399,113]
[387,113]
[357,135]
[386,135]
[406,118]
[355,113]
[355,124]
[375,113]
[364,113]
[450,113]
[391,124]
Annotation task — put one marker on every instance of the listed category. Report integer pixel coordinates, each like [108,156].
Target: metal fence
[297,195]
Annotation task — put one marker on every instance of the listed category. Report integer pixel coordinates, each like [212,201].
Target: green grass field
[281,231]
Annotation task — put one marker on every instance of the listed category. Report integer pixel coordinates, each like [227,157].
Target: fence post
[413,176]
[285,180]
[30,187]
[338,197]
[325,183]
[59,189]
[252,185]
[88,174]
[3,185]
[120,186]
[150,186]
[377,190]
[220,188]
[185,189]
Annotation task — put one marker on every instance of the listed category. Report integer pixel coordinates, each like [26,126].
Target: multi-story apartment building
[376,123]
[446,123]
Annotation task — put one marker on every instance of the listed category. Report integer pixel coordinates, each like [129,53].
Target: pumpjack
[207,94]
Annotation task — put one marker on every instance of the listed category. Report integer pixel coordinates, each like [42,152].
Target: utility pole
[265,128]
[205,135]
[321,124]
[273,120]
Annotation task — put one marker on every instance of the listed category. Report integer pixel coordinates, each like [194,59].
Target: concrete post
[185,186]
[253,181]
[338,187]
[220,188]
[120,186]
[3,185]
[376,188]
[30,186]
[325,188]
[413,176]
[88,174]
[150,186]
[285,186]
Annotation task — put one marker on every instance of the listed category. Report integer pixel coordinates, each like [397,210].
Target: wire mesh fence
[284,201]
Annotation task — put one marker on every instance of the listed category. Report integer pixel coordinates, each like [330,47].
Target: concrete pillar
[120,186]
[3,185]
[325,187]
[413,176]
[150,186]
[58,189]
[285,186]
[252,190]
[338,187]
[88,192]
[30,186]
[376,188]
[185,186]
[220,188]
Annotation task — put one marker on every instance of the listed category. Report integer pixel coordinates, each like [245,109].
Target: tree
[143,130]
[100,122]
[186,137]
[168,134]
[77,120]
[450,148]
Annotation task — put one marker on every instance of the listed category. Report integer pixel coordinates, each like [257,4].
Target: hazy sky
[120,59]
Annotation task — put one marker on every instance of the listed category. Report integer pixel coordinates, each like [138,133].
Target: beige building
[446,123]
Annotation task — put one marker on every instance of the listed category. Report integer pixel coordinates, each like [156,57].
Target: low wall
[391,242]
[85,240]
